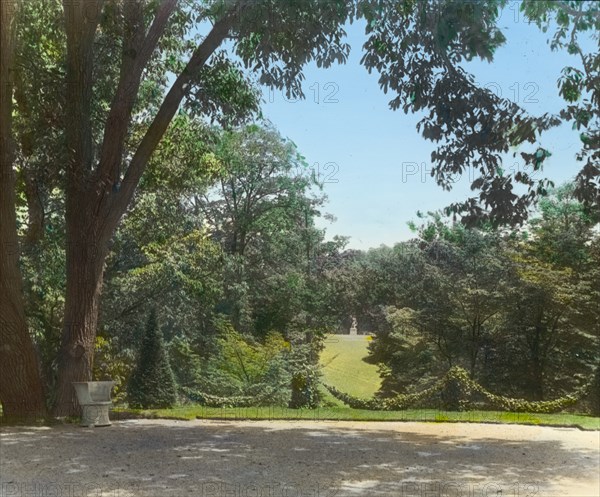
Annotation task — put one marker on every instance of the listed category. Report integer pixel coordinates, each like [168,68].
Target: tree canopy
[102,96]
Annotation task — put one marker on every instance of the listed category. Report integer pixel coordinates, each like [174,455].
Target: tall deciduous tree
[96,195]
[103,168]
[20,383]
[264,186]
[262,212]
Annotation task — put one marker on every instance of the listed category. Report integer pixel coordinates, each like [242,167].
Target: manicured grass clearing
[348,414]
[344,368]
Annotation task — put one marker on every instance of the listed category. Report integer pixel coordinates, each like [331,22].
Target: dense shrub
[152,384]
[240,368]
[305,369]
[455,391]
[113,363]
[305,389]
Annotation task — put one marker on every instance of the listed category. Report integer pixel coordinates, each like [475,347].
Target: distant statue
[354,327]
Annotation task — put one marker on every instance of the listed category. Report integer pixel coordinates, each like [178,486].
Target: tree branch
[165,114]
[81,21]
[137,50]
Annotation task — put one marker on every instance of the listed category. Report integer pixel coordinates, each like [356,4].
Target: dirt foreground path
[147,458]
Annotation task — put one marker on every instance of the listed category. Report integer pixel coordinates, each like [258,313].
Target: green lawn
[344,368]
[348,414]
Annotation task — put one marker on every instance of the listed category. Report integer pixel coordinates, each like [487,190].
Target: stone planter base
[95,414]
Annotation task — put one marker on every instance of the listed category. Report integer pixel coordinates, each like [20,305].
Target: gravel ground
[299,459]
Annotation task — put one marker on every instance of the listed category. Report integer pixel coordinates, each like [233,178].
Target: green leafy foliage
[241,370]
[111,363]
[224,94]
[417,49]
[516,308]
[305,373]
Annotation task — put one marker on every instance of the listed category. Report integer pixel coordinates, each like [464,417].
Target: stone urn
[94,399]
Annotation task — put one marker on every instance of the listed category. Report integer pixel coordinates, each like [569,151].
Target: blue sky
[374,160]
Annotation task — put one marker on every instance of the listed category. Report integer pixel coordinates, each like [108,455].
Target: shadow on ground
[296,459]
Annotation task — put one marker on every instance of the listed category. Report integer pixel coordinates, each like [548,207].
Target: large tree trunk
[537,364]
[21,390]
[85,262]
[537,381]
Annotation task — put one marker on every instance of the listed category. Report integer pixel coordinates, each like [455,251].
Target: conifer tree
[152,384]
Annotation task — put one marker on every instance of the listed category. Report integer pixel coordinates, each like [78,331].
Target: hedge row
[523,405]
[456,390]
[396,403]
[217,401]
[261,394]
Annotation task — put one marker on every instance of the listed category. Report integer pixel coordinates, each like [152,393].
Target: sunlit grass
[348,414]
[344,368]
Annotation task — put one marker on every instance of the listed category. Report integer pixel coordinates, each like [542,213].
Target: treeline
[245,286]
[518,309]
[231,262]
